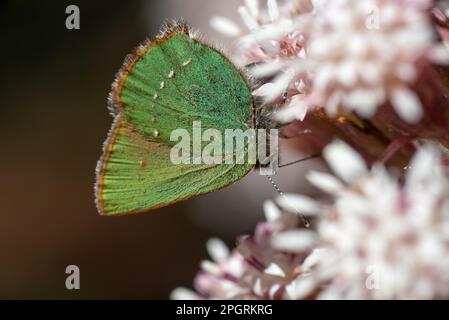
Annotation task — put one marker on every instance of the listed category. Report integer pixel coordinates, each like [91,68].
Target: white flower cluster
[275,263]
[376,237]
[382,238]
[340,55]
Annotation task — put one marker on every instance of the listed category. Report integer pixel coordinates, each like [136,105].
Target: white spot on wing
[187,63]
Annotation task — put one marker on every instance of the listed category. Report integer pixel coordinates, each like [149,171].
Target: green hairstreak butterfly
[167,84]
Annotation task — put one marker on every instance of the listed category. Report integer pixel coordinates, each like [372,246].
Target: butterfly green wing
[137,175]
[176,79]
[166,85]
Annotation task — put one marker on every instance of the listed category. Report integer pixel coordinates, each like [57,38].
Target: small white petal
[364,102]
[274,270]
[247,18]
[325,182]
[273,90]
[347,73]
[266,69]
[301,287]
[257,288]
[225,26]
[333,103]
[299,204]
[253,7]
[407,105]
[344,161]
[406,72]
[425,165]
[272,212]
[271,34]
[313,259]
[297,103]
[274,289]
[265,89]
[296,110]
[440,55]
[294,240]
[217,249]
[324,76]
[329,294]
[370,73]
[273,10]
[183,294]
[210,267]
[319,48]
[357,45]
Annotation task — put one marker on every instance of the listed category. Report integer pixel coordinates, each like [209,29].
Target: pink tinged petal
[272,212]
[406,72]
[257,288]
[319,48]
[330,293]
[274,290]
[296,110]
[273,10]
[217,249]
[313,259]
[357,45]
[389,14]
[225,26]
[210,267]
[425,165]
[294,240]
[301,288]
[347,73]
[234,265]
[263,90]
[324,76]
[364,102]
[266,69]
[250,22]
[271,33]
[325,181]
[274,270]
[333,103]
[272,91]
[285,115]
[183,294]
[370,73]
[344,161]
[439,54]
[298,104]
[299,204]
[213,286]
[407,104]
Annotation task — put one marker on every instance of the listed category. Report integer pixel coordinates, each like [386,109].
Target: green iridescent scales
[167,84]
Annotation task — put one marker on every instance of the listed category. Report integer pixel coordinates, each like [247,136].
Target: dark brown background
[53,120]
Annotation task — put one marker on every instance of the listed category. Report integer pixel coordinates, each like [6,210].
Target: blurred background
[53,121]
